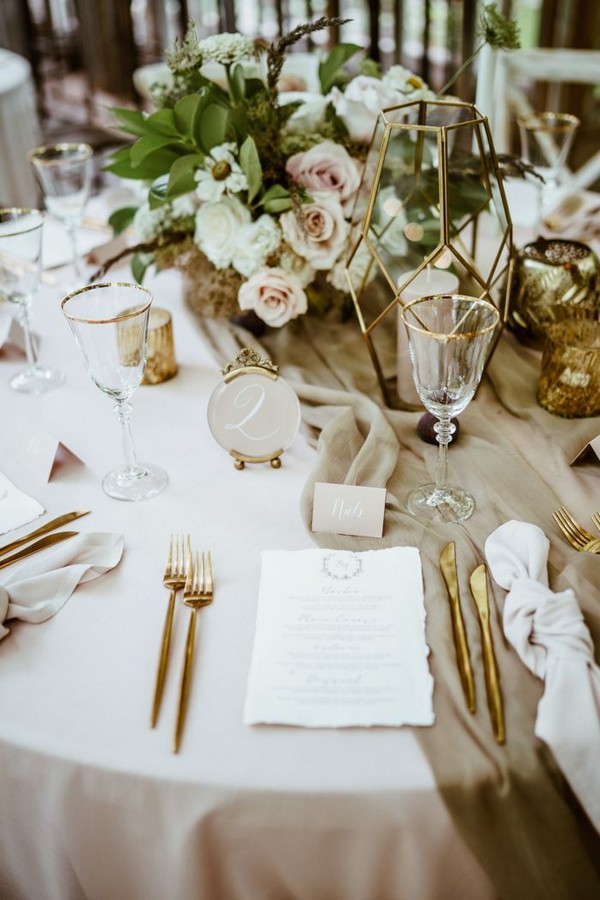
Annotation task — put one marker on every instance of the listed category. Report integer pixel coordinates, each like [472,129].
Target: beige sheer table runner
[511,803]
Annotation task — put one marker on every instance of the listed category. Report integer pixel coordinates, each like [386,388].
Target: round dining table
[95,804]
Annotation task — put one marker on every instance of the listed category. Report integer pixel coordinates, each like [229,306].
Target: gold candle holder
[160,363]
[570,374]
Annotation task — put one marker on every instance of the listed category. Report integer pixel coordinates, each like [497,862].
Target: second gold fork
[174,579]
[576,535]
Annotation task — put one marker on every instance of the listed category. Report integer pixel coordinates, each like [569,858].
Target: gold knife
[478,582]
[44,542]
[49,526]
[448,567]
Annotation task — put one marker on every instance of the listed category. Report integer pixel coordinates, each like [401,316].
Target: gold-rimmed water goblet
[449,336]
[546,140]
[20,273]
[110,324]
[64,173]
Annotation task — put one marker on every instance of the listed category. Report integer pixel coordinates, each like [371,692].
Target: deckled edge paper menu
[340,640]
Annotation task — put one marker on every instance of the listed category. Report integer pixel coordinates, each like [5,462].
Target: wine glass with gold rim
[449,336]
[110,325]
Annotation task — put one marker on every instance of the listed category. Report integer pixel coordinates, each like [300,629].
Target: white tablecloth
[19,131]
[94,804]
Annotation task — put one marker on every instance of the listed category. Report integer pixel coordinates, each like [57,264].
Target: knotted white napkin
[36,588]
[548,632]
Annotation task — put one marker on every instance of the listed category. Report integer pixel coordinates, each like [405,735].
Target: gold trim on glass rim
[26,210]
[544,122]
[36,156]
[451,335]
[129,314]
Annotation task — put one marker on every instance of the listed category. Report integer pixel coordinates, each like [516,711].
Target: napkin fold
[548,632]
[16,507]
[36,588]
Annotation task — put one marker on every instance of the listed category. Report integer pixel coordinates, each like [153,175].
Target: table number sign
[348,509]
[591,448]
[254,414]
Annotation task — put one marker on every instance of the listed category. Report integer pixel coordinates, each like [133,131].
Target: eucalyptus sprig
[497,31]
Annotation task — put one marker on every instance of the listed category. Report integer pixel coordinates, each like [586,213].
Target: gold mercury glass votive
[570,375]
[160,364]
[550,273]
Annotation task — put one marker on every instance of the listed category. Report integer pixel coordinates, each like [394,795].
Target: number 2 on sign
[250,398]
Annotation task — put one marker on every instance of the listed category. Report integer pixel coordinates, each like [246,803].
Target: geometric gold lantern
[431,213]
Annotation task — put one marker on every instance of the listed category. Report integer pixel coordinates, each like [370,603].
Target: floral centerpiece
[251,186]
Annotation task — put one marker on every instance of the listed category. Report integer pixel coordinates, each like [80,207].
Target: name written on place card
[348,509]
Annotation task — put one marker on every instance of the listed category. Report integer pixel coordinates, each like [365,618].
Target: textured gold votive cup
[570,374]
[160,364]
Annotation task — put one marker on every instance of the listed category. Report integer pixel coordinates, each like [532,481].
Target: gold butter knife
[448,567]
[478,582]
[44,542]
[49,526]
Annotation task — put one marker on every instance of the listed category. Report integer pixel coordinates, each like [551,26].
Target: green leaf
[122,218]
[155,164]
[140,263]
[181,177]
[148,146]
[187,114]
[251,167]
[213,126]
[163,122]
[121,165]
[330,67]
[237,84]
[130,120]
[277,199]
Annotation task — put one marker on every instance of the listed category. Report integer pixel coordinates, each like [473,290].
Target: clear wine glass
[110,325]
[64,172]
[20,273]
[546,140]
[449,336]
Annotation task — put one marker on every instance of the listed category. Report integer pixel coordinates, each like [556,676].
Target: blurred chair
[519,67]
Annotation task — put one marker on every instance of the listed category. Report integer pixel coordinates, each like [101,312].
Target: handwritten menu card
[340,640]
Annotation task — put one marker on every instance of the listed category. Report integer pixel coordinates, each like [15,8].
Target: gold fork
[596,520]
[174,579]
[576,535]
[198,592]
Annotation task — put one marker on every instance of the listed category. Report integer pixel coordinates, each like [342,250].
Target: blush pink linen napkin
[36,588]
[548,632]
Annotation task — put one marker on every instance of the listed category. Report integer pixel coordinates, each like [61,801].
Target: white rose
[322,235]
[310,115]
[254,244]
[274,295]
[217,225]
[327,167]
[361,103]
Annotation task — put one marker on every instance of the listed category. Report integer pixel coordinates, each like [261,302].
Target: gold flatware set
[192,573]
[577,536]
[478,584]
[47,539]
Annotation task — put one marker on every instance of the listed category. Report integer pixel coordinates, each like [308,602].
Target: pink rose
[322,235]
[327,167]
[274,295]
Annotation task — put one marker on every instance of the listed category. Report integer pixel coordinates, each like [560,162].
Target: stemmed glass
[64,172]
[449,336]
[546,140]
[20,273]
[110,325]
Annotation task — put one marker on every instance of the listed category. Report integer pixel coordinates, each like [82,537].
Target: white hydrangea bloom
[362,264]
[226,48]
[221,173]
[254,244]
[296,265]
[150,223]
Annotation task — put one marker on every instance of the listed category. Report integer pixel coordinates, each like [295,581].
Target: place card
[42,453]
[348,509]
[591,448]
[11,332]
[340,640]
[16,507]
